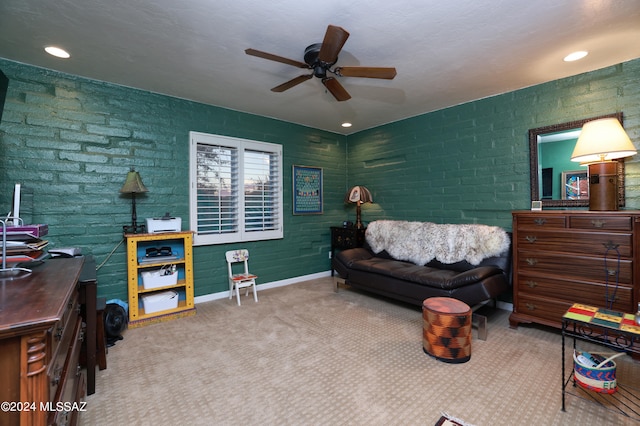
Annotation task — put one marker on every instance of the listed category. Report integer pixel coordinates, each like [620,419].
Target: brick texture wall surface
[70,141]
[470,163]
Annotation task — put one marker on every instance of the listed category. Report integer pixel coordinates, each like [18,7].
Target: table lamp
[133,185]
[358,195]
[600,142]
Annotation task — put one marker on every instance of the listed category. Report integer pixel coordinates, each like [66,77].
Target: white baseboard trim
[265,286]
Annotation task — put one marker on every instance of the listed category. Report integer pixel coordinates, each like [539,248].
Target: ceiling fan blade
[334,39]
[367,72]
[336,89]
[289,84]
[272,57]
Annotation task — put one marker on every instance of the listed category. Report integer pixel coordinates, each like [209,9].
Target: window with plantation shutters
[236,189]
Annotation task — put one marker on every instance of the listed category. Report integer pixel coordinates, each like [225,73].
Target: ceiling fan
[320,57]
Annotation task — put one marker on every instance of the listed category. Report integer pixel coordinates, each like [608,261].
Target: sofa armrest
[347,257]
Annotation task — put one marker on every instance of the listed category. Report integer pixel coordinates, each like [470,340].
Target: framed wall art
[575,185]
[307,190]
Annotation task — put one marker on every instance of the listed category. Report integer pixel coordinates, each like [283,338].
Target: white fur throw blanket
[421,242]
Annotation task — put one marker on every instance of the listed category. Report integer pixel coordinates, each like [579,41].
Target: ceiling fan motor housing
[311,58]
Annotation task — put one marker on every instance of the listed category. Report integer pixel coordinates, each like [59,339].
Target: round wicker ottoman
[446,333]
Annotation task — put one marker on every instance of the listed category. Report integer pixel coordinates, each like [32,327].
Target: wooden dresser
[41,335]
[561,257]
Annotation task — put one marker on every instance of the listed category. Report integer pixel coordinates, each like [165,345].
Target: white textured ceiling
[445,52]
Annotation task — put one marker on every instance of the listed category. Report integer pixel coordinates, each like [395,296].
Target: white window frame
[242,233]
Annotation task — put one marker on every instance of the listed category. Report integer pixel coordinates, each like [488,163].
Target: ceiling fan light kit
[320,57]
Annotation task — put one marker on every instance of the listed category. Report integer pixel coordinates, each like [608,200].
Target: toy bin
[600,378]
[161,301]
[158,278]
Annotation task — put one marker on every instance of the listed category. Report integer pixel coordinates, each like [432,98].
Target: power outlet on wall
[329,255]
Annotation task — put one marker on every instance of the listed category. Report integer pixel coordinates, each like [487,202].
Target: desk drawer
[60,330]
[67,387]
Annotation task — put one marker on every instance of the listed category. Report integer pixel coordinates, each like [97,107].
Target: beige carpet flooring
[306,355]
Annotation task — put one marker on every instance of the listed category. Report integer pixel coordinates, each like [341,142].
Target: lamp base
[134,229]
[603,186]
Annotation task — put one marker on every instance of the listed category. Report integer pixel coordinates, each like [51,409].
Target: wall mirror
[555,179]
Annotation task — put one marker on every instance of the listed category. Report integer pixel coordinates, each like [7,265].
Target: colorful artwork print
[307,190]
[603,317]
[575,185]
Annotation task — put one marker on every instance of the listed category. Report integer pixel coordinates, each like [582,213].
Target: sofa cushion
[424,275]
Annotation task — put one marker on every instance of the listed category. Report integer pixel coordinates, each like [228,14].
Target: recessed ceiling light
[575,56]
[346,124]
[57,52]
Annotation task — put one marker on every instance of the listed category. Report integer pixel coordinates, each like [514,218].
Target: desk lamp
[601,141]
[358,195]
[133,185]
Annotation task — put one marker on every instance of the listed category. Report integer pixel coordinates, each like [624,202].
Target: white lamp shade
[602,140]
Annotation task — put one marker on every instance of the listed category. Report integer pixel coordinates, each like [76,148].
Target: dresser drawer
[567,266]
[619,223]
[589,293]
[590,243]
[549,310]
[542,221]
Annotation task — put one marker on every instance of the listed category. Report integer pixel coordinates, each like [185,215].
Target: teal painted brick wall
[70,141]
[470,163]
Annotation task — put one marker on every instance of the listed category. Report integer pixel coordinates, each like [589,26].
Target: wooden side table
[345,238]
[611,329]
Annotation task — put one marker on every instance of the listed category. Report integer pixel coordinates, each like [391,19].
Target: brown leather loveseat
[381,273]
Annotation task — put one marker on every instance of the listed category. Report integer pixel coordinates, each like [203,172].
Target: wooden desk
[40,340]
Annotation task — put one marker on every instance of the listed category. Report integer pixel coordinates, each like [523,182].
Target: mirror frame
[534,135]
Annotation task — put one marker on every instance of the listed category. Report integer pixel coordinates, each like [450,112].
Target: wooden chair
[243,279]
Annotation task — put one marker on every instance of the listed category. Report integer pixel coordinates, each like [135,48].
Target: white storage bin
[160,301]
[157,278]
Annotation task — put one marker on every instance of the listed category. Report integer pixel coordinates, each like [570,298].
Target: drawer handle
[610,245]
[531,238]
[530,306]
[598,223]
[540,221]
[78,370]
[531,284]
[531,262]
[612,272]
[56,376]
[81,336]
[58,334]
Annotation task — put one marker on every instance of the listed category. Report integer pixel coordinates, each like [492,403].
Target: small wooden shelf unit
[181,247]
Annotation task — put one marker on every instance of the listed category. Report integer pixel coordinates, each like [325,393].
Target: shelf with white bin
[158,265]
